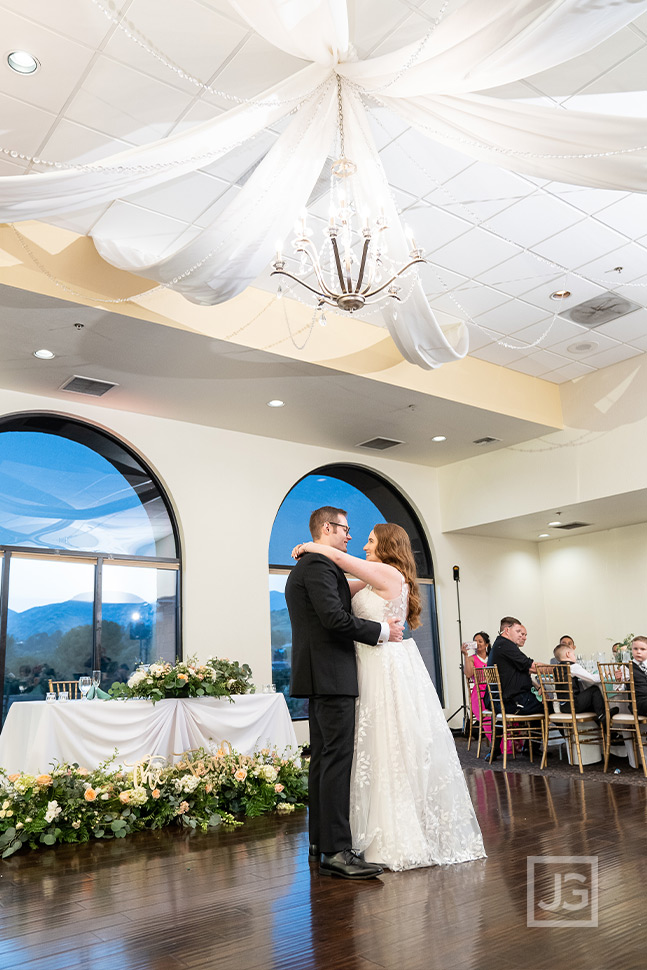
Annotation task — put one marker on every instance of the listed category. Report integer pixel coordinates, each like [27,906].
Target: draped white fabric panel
[434,84]
[36,733]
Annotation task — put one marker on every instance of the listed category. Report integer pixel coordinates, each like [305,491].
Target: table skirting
[87,732]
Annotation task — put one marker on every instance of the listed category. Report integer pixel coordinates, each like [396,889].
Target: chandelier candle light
[336,260]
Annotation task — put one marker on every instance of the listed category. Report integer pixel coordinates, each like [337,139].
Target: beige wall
[595,587]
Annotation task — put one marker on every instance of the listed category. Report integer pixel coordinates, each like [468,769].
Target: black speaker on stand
[462,710]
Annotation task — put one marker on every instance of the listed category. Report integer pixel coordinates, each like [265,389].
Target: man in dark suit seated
[324,670]
[514,668]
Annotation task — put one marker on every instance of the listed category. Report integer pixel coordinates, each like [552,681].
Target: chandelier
[351,265]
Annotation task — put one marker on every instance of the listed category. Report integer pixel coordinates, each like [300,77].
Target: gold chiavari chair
[485,716]
[617,681]
[71,686]
[515,726]
[557,692]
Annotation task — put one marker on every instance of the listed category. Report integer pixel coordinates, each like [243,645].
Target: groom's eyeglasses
[346,528]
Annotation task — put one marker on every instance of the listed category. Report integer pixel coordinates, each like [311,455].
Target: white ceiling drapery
[436,85]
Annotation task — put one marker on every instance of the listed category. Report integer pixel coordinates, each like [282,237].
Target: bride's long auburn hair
[394,548]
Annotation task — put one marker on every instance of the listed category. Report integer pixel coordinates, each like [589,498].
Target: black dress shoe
[314,854]
[348,865]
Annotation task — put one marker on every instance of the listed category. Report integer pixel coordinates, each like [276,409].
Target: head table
[87,732]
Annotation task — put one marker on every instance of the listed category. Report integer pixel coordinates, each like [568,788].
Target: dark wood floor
[248,899]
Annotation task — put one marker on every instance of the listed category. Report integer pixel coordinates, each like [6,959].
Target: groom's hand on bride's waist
[396,628]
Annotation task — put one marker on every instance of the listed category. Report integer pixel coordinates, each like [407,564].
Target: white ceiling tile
[473,297]
[70,142]
[432,227]
[418,165]
[255,67]
[621,89]
[62,62]
[579,289]
[385,125]
[172,29]
[600,341]
[573,75]
[541,362]
[534,365]
[612,356]
[627,328]
[437,281]
[558,331]
[481,191]
[82,221]
[568,373]
[10,167]
[586,199]
[512,316]
[628,215]
[640,343]
[80,21]
[481,338]
[579,244]
[402,27]
[473,253]
[519,274]
[212,213]
[22,126]
[496,354]
[125,103]
[627,264]
[534,219]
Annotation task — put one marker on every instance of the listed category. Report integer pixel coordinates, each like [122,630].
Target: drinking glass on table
[96,681]
[85,683]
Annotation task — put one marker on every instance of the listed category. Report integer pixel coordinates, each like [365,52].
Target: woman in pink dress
[471,663]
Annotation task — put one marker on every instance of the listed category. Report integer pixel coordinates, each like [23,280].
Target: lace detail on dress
[410,805]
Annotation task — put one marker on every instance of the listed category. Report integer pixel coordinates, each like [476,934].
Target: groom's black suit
[324,669]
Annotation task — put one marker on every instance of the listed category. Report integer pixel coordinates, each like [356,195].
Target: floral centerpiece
[73,804]
[188,678]
[622,646]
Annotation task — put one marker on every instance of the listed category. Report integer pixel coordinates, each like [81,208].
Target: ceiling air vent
[487,440]
[87,385]
[379,444]
[572,525]
[599,309]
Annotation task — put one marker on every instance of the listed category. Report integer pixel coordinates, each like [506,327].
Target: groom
[324,670]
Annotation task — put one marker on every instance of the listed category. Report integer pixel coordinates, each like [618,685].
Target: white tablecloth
[87,732]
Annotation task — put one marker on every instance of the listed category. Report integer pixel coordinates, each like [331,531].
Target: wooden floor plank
[247,899]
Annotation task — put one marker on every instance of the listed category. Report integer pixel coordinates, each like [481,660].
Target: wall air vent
[487,440]
[379,444]
[572,525]
[599,309]
[87,385]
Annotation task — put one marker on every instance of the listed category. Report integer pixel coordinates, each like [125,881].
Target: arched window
[90,557]
[368,499]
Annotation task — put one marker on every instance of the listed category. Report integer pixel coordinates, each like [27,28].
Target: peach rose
[155,793]
[44,780]
[278,789]
[241,774]
[182,677]
[90,794]
[13,777]
[208,787]
[124,797]
[183,807]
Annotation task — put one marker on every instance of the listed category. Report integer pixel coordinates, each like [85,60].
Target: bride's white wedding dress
[410,805]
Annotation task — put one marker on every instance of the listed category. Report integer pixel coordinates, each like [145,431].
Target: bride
[409,801]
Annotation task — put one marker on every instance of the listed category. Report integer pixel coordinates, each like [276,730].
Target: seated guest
[587,695]
[568,641]
[477,660]
[639,660]
[514,668]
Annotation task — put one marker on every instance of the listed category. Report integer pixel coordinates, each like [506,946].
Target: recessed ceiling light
[276,404]
[555,523]
[560,295]
[544,535]
[44,354]
[582,347]
[22,62]
[439,437]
